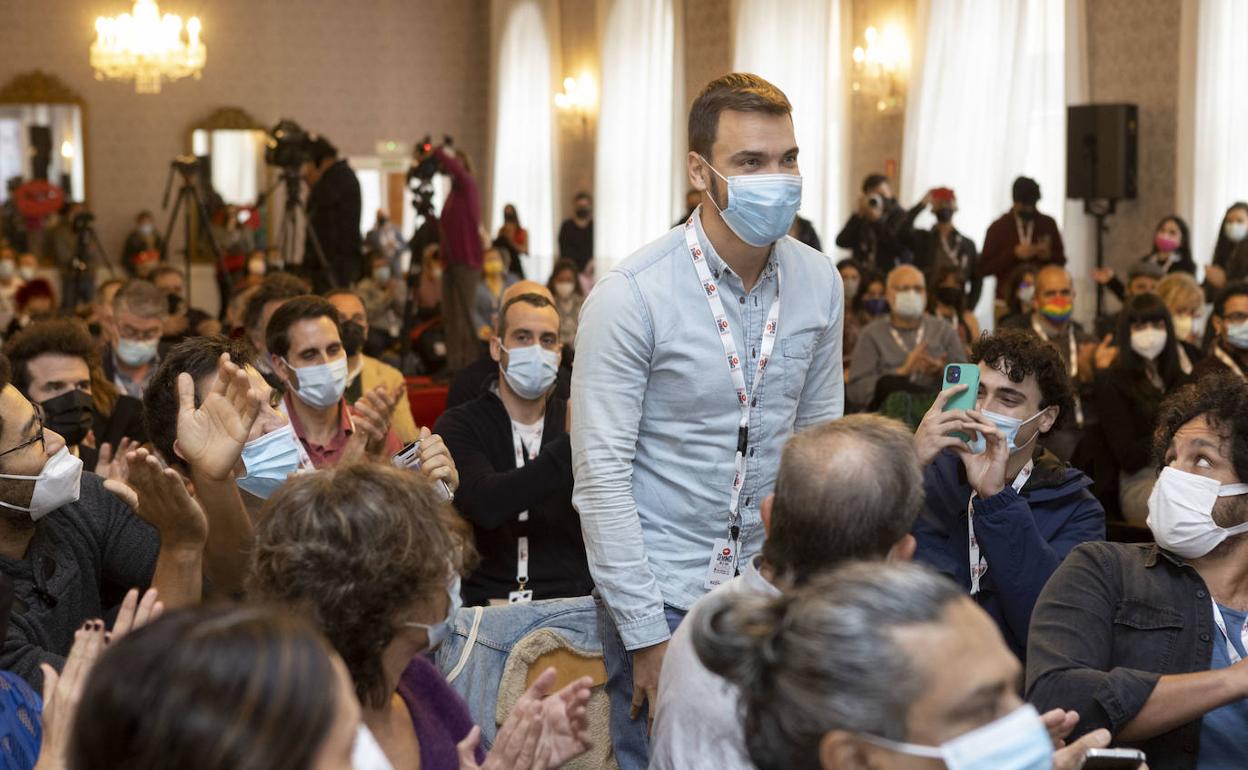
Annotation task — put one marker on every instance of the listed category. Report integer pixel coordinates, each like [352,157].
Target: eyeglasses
[38,437]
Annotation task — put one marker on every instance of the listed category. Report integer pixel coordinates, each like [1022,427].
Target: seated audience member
[863,305]
[1169,253]
[884,666]
[364,552]
[872,231]
[365,373]
[947,301]
[1230,253]
[1185,301]
[565,286]
[53,362]
[1147,640]
[1051,320]
[132,355]
[208,688]
[1129,395]
[1020,294]
[943,247]
[1021,235]
[1228,348]
[904,351]
[34,301]
[1142,278]
[10,282]
[515,461]
[851,278]
[183,320]
[429,290]
[71,548]
[382,293]
[141,251]
[305,346]
[276,289]
[848,489]
[494,281]
[804,231]
[1002,511]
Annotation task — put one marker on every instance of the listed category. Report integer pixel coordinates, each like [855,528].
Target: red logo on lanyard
[722,323]
[771,327]
[741,398]
[697,253]
[733,361]
[710,288]
[762,363]
[727,552]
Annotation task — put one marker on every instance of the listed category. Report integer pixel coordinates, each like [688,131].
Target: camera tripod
[85,240]
[287,241]
[187,166]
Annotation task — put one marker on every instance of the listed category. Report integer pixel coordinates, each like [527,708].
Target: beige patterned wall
[358,71]
[1133,56]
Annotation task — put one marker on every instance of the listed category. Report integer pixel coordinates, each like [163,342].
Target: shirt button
[1201,594]
[1204,637]
[1189,747]
[751,451]
[741,300]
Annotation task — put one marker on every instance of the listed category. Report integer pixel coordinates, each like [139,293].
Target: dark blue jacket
[1023,536]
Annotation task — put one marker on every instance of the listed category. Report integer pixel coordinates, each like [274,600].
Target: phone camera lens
[953,375]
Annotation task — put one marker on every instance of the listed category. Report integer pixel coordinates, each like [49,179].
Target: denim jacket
[654,432]
[473,656]
[1113,620]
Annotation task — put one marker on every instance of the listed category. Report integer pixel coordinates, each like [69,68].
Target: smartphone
[961,374]
[409,457]
[1113,759]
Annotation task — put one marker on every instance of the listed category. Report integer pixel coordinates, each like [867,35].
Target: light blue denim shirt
[654,426]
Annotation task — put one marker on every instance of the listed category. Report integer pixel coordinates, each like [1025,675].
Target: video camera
[420,173]
[82,221]
[287,145]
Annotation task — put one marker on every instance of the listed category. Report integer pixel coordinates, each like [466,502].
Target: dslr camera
[287,145]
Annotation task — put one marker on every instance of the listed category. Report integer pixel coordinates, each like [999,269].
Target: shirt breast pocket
[796,352]
[1145,636]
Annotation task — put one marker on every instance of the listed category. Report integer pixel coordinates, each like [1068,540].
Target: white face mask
[1016,741]
[1235,231]
[909,304]
[1180,512]
[564,289]
[1149,343]
[56,485]
[321,386]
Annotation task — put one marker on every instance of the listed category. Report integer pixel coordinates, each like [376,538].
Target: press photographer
[334,216]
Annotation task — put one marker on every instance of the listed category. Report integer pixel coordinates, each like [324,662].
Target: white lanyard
[1220,621]
[953,254]
[524,455]
[918,338]
[979,565]
[1226,359]
[1074,365]
[1024,231]
[734,369]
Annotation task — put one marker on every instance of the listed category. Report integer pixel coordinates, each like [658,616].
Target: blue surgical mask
[875,306]
[269,460]
[321,386]
[1008,426]
[1237,335]
[531,370]
[439,632]
[761,207]
[1016,741]
[136,352]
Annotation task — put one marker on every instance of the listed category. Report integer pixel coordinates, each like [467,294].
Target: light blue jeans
[630,738]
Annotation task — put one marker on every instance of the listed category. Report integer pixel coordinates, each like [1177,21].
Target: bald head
[906,279]
[906,276]
[1053,283]
[848,489]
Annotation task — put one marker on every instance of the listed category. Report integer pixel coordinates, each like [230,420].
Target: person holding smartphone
[1002,511]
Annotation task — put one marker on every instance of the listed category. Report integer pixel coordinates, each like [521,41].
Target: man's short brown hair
[142,298]
[739,91]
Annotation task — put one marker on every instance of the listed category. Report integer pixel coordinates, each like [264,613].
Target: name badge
[722,565]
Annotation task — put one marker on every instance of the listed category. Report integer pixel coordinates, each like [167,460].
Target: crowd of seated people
[741,527]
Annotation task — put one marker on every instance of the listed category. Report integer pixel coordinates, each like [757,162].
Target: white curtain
[987,103]
[639,166]
[236,164]
[524,163]
[796,44]
[1213,165]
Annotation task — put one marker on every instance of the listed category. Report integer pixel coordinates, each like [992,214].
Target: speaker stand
[1100,209]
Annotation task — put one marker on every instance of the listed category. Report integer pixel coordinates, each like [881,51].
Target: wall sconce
[67,150]
[880,67]
[577,98]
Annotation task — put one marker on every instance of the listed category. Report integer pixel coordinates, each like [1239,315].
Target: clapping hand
[435,460]
[1106,353]
[160,497]
[211,436]
[372,416]
[542,731]
[113,466]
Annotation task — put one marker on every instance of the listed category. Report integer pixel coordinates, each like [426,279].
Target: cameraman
[334,215]
[461,253]
[873,231]
[74,255]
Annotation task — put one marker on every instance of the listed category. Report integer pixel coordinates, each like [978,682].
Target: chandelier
[147,47]
[879,68]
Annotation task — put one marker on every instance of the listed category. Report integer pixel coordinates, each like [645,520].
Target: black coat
[334,214]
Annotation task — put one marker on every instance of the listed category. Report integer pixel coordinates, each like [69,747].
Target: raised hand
[372,416]
[516,747]
[932,435]
[985,471]
[113,466]
[435,460]
[1106,353]
[135,613]
[1102,275]
[62,692]
[160,498]
[565,721]
[211,436]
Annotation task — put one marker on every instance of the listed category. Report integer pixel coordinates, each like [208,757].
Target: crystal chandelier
[147,47]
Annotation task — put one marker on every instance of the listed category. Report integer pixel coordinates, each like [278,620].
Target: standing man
[462,254]
[698,357]
[576,234]
[1021,235]
[334,214]
[872,233]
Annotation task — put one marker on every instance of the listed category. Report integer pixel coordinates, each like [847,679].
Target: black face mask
[582,212]
[944,215]
[69,414]
[1027,214]
[353,338]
